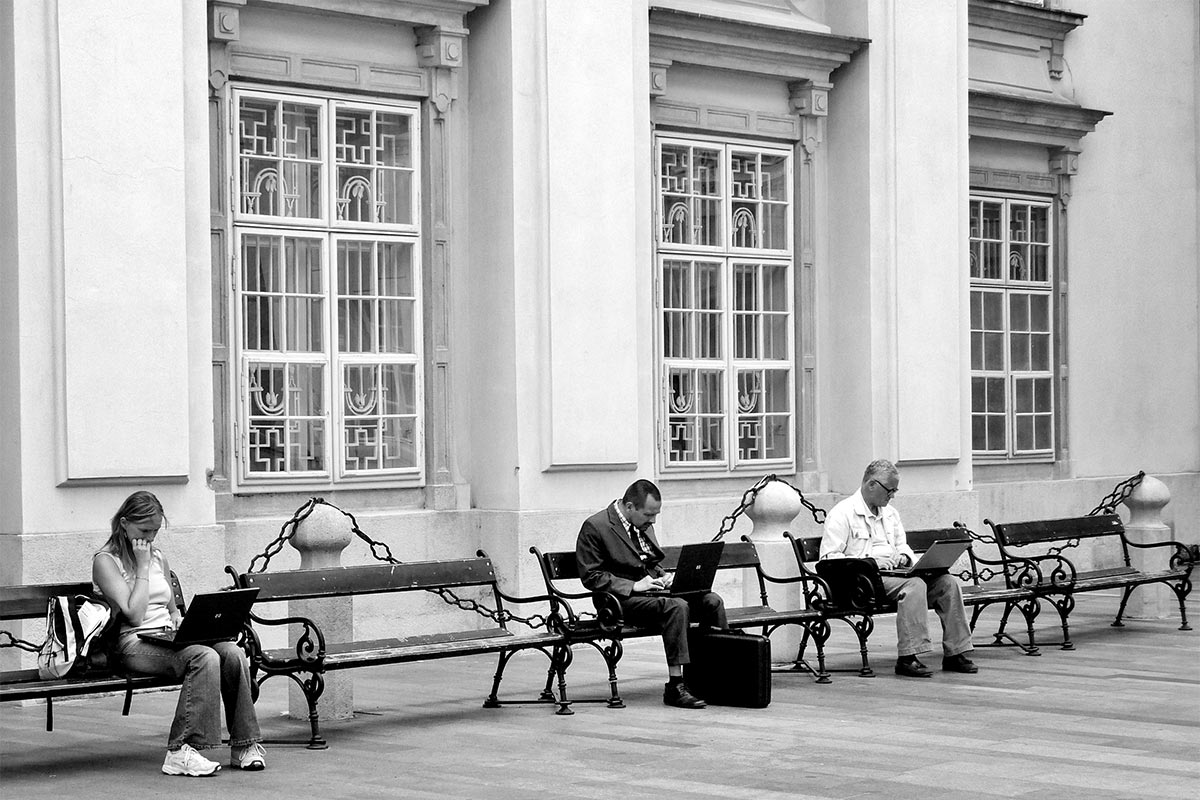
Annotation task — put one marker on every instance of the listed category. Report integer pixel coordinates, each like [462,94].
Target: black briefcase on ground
[729,668]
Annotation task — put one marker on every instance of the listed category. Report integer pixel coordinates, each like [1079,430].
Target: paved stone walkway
[1117,718]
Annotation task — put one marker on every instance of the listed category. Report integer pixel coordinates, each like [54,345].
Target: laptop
[212,617]
[940,556]
[695,570]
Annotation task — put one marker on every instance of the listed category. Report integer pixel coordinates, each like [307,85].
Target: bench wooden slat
[29,601]
[1052,530]
[370,579]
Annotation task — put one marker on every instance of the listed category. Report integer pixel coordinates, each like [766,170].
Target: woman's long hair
[138,507]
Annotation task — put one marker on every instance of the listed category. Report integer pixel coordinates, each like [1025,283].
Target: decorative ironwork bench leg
[564,661]
[493,701]
[1117,623]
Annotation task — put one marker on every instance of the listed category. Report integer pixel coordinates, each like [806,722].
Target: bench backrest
[922,539]
[1019,534]
[301,584]
[561,565]
[30,601]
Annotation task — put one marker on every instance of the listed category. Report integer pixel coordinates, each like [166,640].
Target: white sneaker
[251,757]
[186,761]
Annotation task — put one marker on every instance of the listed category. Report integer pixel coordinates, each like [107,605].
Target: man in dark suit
[617,553]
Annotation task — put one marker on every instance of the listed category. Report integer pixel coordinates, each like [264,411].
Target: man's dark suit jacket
[607,559]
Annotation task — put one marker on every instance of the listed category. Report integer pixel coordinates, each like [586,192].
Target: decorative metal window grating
[726,299]
[327,290]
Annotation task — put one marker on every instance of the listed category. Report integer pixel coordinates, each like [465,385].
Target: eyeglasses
[890,492]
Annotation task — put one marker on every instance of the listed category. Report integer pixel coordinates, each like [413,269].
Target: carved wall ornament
[224,24]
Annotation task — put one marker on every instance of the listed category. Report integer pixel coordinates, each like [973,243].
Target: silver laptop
[940,557]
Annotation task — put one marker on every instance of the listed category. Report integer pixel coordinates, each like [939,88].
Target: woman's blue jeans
[212,676]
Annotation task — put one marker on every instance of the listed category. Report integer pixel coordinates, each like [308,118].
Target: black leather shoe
[677,694]
[911,667]
[959,663]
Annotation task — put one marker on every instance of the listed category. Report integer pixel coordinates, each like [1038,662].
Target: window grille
[725,298]
[327,288]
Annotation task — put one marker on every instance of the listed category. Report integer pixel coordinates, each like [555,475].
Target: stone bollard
[320,539]
[774,508]
[1145,524]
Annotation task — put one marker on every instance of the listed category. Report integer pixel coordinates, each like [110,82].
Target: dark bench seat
[606,629]
[1046,543]
[29,602]
[307,662]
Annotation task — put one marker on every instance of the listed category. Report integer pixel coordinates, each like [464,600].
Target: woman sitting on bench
[131,573]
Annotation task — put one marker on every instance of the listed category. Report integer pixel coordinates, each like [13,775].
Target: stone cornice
[1016,119]
[687,38]
[1020,18]
[414,12]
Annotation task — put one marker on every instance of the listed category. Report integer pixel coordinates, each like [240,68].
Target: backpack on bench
[74,623]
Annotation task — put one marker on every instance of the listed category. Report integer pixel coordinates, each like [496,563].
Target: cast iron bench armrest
[1182,558]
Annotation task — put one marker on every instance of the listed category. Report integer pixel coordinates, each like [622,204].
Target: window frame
[330,231]
[728,257]
[1008,289]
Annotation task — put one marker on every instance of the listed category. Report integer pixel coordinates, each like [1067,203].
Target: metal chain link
[8,640]
[750,494]
[381,552]
[1106,506]
[1118,495]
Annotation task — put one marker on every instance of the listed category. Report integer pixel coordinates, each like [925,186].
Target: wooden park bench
[29,602]
[605,629]
[313,655]
[1046,542]
[857,594]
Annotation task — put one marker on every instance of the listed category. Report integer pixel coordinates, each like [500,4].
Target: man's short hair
[880,468]
[638,491]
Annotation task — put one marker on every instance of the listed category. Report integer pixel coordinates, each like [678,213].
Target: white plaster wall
[142,407]
[1134,267]
[893,301]
[560,229]
[929,97]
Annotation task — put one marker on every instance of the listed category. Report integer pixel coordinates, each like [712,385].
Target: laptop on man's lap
[939,558]
[695,570]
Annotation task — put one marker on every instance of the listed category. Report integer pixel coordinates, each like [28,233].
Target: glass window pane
[396,323]
[1043,393]
[1023,427]
[1019,352]
[1018,312]
[997,401]
[993,311]
[396,270]
[993,351]
[997,430]
[1043,432]
[774,233]
[775,287]
[979,432]
[393,139]
[1039,223]
[708,286]
[775,336]
[774,177]
[1039,352]
[710,397]
[1023,402]
[1039,316]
